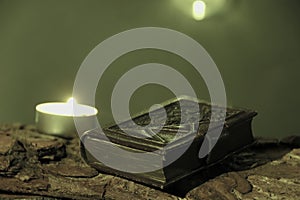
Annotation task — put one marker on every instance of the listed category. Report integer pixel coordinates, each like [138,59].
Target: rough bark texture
[37,166]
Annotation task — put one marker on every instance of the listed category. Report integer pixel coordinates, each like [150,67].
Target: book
[179,133]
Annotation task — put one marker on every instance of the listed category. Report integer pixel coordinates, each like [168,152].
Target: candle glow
[70,108]
[199,8]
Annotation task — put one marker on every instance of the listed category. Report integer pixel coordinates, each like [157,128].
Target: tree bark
[38,166]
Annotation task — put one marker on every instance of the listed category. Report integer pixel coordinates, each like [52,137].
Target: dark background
[255,44]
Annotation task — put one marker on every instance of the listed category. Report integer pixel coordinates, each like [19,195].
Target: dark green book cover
[179,132]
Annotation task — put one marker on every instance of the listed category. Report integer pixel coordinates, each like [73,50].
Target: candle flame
[71,100]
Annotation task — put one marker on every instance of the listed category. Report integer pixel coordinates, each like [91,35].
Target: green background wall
[254,43]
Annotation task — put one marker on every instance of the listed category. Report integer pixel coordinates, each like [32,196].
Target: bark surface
[38,166]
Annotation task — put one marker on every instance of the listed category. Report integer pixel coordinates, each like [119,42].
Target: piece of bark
[6,143]
[44,147]
[278,179]
[119,188]
[12,155]
[263,172]
[53,167]
[223,187]
[69,168]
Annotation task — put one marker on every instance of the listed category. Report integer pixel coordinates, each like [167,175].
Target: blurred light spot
[199,10]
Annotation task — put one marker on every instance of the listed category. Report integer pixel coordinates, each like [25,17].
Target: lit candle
[57,118]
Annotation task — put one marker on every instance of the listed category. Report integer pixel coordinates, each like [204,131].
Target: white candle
[57,118]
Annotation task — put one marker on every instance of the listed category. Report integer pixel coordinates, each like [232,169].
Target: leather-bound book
[187,123]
